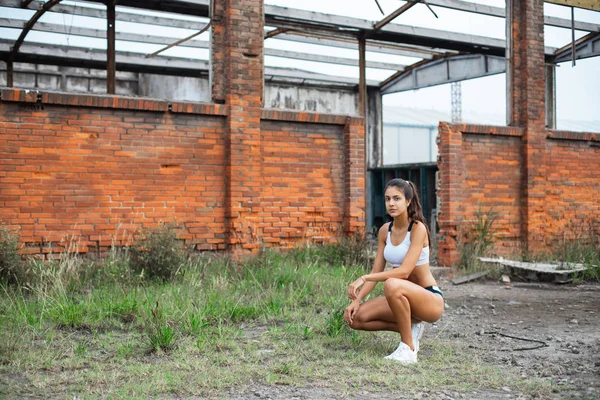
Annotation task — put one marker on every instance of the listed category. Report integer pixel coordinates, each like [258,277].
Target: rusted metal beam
[573,35]
[392,16]
[26,3]
[111,60]
[28,26]
[362,76]
[379,6]
[275,32]
[9,73]
[177,43]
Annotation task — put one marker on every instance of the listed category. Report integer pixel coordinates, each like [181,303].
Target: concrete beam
[281,17]
[124,36]
[332,60]
[90,58]
[178,23]
[372,46]
[501,13]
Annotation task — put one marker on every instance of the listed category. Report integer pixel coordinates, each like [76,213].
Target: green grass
[275,319]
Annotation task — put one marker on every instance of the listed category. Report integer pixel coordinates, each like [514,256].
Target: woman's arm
[417,239]
[378,266]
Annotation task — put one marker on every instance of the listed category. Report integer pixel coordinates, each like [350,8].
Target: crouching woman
[411,292]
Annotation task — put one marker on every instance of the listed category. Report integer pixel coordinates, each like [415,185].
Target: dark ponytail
[415,209]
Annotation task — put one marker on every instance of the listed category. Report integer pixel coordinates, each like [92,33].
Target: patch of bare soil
[561,322]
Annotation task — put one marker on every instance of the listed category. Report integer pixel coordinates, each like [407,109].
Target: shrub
[479,238]
[349,251]
[11,265]
[158,254]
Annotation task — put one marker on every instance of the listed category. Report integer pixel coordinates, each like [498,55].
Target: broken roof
[73,33]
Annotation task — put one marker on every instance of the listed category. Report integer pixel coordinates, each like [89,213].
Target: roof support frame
[320,23]
[500,12]
[585,47]
[135,62]
[28,26]
[401,10]
[199,44]
[444,70]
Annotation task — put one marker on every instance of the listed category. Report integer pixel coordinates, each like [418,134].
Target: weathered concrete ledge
[544,272]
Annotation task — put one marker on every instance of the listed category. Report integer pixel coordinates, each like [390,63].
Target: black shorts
[434,289]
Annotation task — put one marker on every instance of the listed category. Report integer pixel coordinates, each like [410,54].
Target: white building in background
[409,134]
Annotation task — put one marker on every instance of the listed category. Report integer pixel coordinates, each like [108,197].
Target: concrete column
[527,76]
[551,96]
[374,127]
[374,132]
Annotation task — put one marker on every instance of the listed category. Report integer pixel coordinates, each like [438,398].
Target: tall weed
[11,265]
[478,239]
[159,331]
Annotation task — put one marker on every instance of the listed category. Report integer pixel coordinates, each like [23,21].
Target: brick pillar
[238,50]
[528,111]
[450,191]
[354,155]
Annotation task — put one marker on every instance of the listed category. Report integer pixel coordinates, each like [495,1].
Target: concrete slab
[559,273]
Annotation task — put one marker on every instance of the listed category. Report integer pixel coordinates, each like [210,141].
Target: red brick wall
[481,166]
[572,194]
[102,174]
[303,182]
[480,169]
[556,172]
[99,168]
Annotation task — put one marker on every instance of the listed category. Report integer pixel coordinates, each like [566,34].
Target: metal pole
[573,34]
[509,69]
[111,70]
[550,96]
[392,16]
[9,73]
[362,81]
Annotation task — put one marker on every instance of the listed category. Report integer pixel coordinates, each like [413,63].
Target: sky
[578,88]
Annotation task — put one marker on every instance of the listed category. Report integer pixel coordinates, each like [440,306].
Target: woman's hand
[351,311]
[354,288]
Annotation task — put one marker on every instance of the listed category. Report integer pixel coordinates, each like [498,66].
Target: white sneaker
[417,332]
[403,355]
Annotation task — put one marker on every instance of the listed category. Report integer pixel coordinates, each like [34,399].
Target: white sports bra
[395,254]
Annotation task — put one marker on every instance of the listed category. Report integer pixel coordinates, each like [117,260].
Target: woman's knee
[358,321]
[393,288]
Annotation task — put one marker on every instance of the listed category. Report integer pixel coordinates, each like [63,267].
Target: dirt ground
[564,321]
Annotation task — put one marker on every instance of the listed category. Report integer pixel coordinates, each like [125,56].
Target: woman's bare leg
[375,315]
[400,307]
[411,302]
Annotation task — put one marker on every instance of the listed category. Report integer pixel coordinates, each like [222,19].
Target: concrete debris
[469,278]
[557,273]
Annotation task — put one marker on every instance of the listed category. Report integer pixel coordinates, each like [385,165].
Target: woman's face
[395,202]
